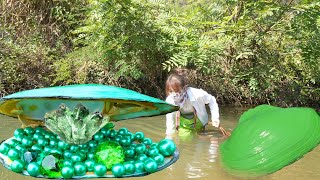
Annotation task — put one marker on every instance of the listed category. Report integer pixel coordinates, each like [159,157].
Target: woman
[192,115]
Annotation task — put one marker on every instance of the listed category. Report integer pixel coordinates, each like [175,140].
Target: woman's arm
[170,119]
[214,108]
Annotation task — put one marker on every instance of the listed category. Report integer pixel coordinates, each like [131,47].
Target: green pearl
[74,148]
[33,169]
[67,154]
[56,150]
[37,135]
[47,149]
[100,169]
[20,147]
[54,142]
[92,144]
[19,137]
[105,131]
[80,169]
[118,138]
[90,155]
[166,147]
[154,145]
[13,142]
[125,141]
[67,172]
[159,158]
[113,133]
[153,152]
[36,147]
[76,157]
[13,154]
[67,162]
[29,130]
[129,152]
[43,142]
[140,148]
[147,141]
[17,165]
[139,166]
[141,157]
[150,165]
[123,131]
[83,146]
[39,130]
[62,145]
[139,136]
[4,148]
[27,142]
[18,132]
[129,167]
[118,170]
[98,136]
[90,164]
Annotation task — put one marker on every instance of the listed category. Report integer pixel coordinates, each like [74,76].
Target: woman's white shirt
[198,98]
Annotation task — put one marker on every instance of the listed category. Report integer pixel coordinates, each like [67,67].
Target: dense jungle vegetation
[241,51]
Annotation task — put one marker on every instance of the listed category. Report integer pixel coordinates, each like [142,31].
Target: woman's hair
[178,78]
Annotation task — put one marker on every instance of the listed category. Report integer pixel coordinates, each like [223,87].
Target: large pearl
[17,166]
[100,169]
[67,172]
[118,170]
[33,169]
[166,147]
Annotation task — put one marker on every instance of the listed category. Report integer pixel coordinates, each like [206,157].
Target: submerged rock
[77,126]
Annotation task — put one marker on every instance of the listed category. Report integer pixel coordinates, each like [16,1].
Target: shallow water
[199,156]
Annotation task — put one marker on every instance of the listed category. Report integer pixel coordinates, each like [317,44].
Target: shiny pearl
[100,169]
[33,169]
[150,165]
[4,148]
[153,152]
[27,142]
[67,172]
[37,135]
[147,141]
[67,154]
[159,158]
[76,157]
[36,147]
[43,142]
[74,148]
[118,170]
[166,147]
[29,130]
[113,133]
[139,136]
[125,141]
[129,167]
[67,162]
[92,144]
[123,131]
[139,166]
[141,157]
[140,148]
[80,169]
[13,154]
[129,152]
[20,147]
[62,145]
[90,155]
[13,142]
[90,164]
[98,136]
[19,132]
[17,166]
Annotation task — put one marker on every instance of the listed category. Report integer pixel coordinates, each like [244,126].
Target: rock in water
[77,126]
[268,138]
